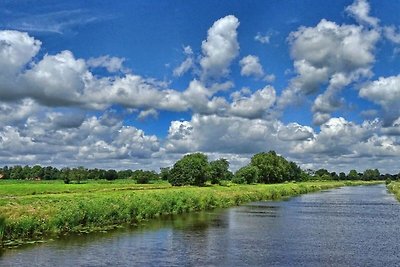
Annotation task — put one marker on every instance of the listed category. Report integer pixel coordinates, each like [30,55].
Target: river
[349,226]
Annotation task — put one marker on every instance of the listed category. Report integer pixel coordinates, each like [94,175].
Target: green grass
[394,187]
[56,208]
[12,188]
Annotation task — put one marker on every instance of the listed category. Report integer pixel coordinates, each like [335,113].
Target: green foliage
[110,175]
[274,169]
[246,175]
[144,177]
[192,169]
[219,170]
[353,175]
[370,174]
[165,173]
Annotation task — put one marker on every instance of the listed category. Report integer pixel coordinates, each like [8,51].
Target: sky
[139,84]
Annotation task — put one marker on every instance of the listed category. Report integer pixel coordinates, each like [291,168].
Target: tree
[274,169]
[370,174]
[165,173]
[342,176]
[110,175]
[353,175]
[192,169]
[219,170]
[144,177]
[247,174]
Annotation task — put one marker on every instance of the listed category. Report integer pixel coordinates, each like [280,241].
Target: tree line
[196,169]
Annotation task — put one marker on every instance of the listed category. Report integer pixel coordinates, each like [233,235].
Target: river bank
[46,215]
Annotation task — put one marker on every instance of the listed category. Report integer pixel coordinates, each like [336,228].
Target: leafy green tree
[111,175]
[219,170]
[165,173]
[192,169]
[144,177]
[16,172]
[353,175]
[370,174]
[247,174]
[342,176]
[37,172]
[273,168]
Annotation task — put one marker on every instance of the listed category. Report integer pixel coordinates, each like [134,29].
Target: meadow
[38,210]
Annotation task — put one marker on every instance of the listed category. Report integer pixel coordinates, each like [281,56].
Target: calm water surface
[350,226]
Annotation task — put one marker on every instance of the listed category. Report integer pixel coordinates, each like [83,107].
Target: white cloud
[250,66]
[16,50]
[187,64]
[392,34]
[264,39]
[386,92]
[255,105]
[112,64]
[295,132]
[220,48]
[360,11]
[144,114]
[331,54]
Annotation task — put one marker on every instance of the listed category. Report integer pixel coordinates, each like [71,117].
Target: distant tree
[165,173]
[16,172]
[246,175]
[219,170]
[192,169]
[370,174]
[334,176]
[295,172]
[271,167]
[144,177]
[342,176]
[353,175]
[110,175]
[125,174]
[37,172]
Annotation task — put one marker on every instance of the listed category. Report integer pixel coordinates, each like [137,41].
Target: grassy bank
[394,187]
[63,209]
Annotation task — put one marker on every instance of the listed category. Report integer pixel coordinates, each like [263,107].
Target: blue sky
[138,84]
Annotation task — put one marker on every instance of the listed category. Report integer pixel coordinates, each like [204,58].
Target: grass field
[34,210]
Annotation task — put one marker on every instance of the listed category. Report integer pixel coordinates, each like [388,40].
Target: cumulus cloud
[187,64]
[112,64]
[144,114]
[295,132]
[59,140]
[386,92]
[220,48]
[250,66]
[254,106]
[392,34]
[330,54]
[360,11]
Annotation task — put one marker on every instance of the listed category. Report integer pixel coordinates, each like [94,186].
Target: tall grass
[2,228]
[30,217]
[394,187]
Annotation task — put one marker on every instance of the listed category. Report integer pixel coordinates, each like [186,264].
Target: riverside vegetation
[32,210]
[27,217]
